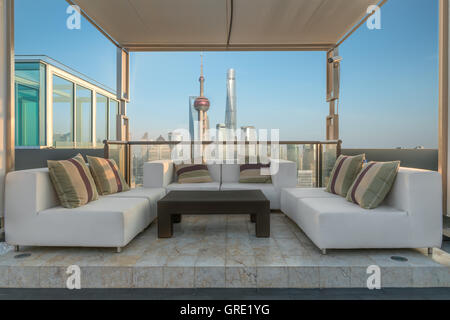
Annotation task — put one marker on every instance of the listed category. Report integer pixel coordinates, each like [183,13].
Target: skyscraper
[221,130]
[201,104]
[230,111]
[193,117]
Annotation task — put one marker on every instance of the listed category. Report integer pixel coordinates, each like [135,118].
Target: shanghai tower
[230,111]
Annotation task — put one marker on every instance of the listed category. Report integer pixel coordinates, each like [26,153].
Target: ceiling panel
[203,24]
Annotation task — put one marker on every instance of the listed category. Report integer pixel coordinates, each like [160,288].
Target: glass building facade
[57,107]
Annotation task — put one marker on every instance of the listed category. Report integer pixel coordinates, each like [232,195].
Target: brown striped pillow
[73,182]
[193,173]
[251,173]
[344,173]
[107,176]
[373,184]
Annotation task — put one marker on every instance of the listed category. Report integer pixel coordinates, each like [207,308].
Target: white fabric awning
[176,25]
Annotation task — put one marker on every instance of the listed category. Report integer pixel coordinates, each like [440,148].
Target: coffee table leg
[252,217]
[176,218]
[165,226]
[263,223]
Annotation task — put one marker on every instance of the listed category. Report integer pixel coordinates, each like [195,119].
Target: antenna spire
[202,78]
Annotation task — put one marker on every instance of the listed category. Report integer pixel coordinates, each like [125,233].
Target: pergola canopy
[177,25]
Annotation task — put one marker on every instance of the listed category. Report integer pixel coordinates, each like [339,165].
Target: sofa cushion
[194,186]
[109,222]
[337,223]
[107,175]
[344,173]
[271,193]
[255,173]
[73,182]
[192,173]
[151,194]
[230,172]
[373,183]
[290,196]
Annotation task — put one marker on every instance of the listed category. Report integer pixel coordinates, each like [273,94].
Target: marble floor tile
[179,277]
[240,277]
[210,277]
[303,277]
[148,277]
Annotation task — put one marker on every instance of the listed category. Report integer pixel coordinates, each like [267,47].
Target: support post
[443,99]
[123,90]
[7,117]
[333,84]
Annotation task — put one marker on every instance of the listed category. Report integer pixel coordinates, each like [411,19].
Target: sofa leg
[324,251]
[16,248]
[119,249]
[430,251]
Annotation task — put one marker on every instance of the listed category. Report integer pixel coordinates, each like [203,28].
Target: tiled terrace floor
[222,251]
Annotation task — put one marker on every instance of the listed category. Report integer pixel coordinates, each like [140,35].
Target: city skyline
[284,90]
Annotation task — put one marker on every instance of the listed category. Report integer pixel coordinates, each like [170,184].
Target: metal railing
[315,159]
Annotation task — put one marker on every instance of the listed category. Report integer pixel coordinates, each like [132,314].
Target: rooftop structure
[61,108]
[230,111]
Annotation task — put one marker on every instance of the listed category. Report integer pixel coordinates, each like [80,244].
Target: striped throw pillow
[193,173]
[73,182]
[107,176]
[373,184]
[251,173]
[344,173]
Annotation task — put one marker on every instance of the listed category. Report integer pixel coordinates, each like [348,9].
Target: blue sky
[389,78]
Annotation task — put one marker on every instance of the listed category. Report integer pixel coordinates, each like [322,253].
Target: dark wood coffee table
[176,203]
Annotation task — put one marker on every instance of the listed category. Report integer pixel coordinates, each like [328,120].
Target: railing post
[105,149]
[320,169]
[316,164]
[128,162]
[338,148]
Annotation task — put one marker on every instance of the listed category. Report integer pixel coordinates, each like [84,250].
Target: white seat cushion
[152,194]
[271,193]
[337,223]
[290,196]
[109,222]
[211,186]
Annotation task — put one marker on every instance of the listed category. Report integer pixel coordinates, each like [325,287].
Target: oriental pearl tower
[201,104]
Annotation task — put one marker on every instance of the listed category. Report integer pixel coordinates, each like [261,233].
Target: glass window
[62,112]
[101,119]
[113,112]
[30,104]
[83,120]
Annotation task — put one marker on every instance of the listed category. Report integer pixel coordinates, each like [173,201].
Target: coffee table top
[215,196]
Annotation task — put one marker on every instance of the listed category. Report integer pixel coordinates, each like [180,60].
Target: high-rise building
[193,118]
[248,133]
[230,111]
[201,104]
[221,131]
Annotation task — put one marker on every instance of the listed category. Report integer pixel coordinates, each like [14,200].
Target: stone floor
[221,251]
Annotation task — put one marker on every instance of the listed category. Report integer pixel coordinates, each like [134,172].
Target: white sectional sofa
[161,174]
[410,217]
[33,216]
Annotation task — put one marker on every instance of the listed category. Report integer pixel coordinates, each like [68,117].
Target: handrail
[150,142]
[126,160]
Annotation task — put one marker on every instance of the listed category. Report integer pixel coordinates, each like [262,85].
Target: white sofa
[161,174]
[33,216]
[410,216]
